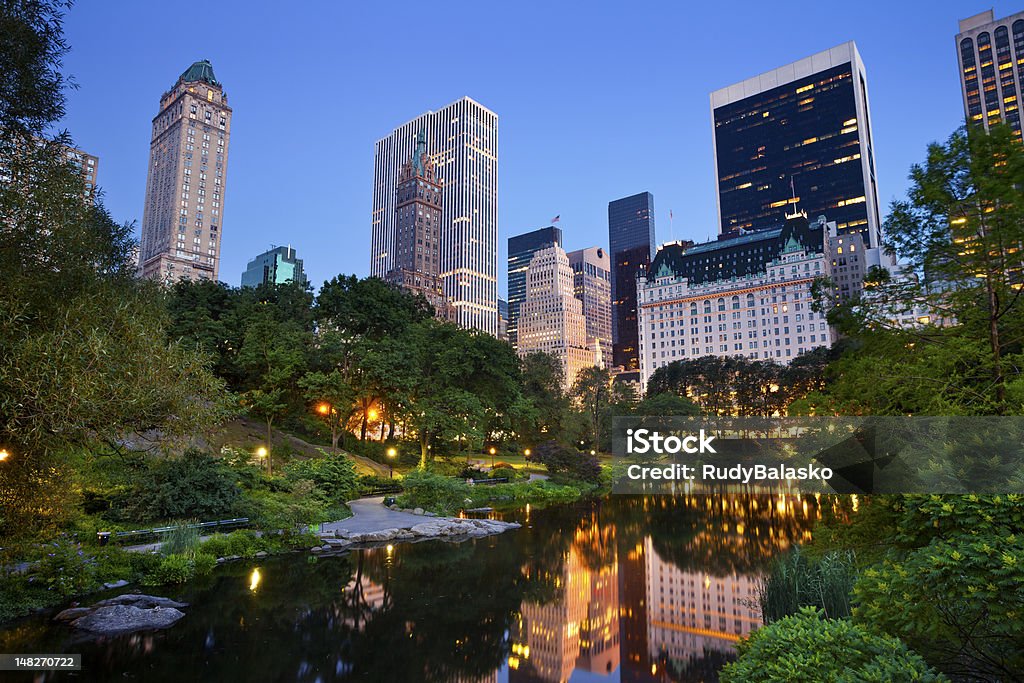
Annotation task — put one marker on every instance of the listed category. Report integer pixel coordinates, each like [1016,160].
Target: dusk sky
[595,101]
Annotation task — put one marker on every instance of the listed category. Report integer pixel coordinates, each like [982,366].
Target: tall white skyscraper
[462,142]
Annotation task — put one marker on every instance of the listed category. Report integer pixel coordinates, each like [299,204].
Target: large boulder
[125,614]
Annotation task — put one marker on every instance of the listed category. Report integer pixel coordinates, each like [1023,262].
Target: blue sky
[596,101]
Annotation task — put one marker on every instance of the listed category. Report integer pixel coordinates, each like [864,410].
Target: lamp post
[493,451]
[261,453]
[391,468]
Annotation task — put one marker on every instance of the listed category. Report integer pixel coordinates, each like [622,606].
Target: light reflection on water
[627,588]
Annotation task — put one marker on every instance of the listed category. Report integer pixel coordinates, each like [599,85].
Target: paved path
[369,515]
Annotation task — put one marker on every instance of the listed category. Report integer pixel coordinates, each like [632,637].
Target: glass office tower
[631,243]
[798,135]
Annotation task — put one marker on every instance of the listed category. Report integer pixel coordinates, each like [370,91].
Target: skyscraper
[631,243]
[521,249]
[551,317]
[462,143]
[188,159]
[592,285]
[798,134]
[418,215]
[991,58]
[276,266]
[88,165]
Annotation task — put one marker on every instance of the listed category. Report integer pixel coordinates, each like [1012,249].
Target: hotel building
[990,54]
[799,133]
[741,296]
[188,157]
[462,144]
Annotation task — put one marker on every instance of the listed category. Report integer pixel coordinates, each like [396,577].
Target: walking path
[369,515]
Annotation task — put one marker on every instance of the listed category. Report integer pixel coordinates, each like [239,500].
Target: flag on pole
[556,218]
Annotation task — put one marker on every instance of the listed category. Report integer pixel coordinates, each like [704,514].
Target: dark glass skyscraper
[631,244]
[521,249]
[800,134]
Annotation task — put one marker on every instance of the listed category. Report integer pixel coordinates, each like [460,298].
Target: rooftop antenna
[792,199]
[671,226]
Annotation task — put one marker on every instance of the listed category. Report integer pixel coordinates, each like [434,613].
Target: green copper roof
[421,150]
[199,71]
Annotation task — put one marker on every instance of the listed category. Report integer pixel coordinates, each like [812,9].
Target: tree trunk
[334,434]
[362,428]
[270,449]
[424,438]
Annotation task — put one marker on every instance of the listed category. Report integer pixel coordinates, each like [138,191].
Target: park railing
[140,535]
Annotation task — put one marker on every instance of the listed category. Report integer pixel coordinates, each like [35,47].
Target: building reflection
[662,591]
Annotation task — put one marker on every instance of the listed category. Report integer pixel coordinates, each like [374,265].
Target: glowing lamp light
[371,414]
[527,452]
[261,451]
[323,409]
[4,454]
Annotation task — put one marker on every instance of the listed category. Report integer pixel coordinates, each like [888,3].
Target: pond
[622,589]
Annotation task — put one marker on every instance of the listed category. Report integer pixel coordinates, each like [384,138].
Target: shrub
[194,485]
[172,569]
[562,460]
[66,569]
[369,482]
[241,543]
[805,647]
[334,474]
[203,563]
[436,492]
[795,581]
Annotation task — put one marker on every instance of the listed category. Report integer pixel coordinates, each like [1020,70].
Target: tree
[959,231]
[333,397]
[667,405]
[546,409]
[368,307]
[595,393]
[84,356]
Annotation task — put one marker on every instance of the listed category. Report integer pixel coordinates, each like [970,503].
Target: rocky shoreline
[448,528]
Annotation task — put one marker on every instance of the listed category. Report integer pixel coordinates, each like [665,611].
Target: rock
[418,511]
[141,601]
[72,613]
[119,619]
[335,543]
[116,584]
[430,514]
[262,553]
[316,549]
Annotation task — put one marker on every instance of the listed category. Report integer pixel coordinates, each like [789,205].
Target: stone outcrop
[124,614]
[435,527]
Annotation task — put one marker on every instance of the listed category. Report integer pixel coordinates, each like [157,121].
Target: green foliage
[194,485]
[240,543]
[956,569]
[599,397]
[809,648]
[66,568]
[172,569]
[796,580]
[447,495]
[334,474]
[562,460]
[182,538]
[666,405]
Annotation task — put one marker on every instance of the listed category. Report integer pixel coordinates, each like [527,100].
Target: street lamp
[4,454]
[493,451]
[323,408]
[527,452]
[391,468]
[261,453]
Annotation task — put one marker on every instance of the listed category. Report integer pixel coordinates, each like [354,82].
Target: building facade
[417,246]
[743,296]
[521,249]
[462,143]
[551,317]
[276,266]
[798,134]
[592,285]
[86,164]
[502,319]
[631,242]
[990,54]
[182,219]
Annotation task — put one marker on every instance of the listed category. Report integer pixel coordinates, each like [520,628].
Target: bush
[203,563]
[240,543]
[435,492]
[369,482]
[194,485]
[562,460]
[795,581]
[805,647]
[172,569]
[334,474]
[66,569]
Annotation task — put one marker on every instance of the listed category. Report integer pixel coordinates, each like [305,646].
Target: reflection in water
[627,588]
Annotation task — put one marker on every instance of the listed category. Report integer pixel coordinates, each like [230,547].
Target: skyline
[574,134]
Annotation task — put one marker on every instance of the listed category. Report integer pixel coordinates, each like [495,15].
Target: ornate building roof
[199,71]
